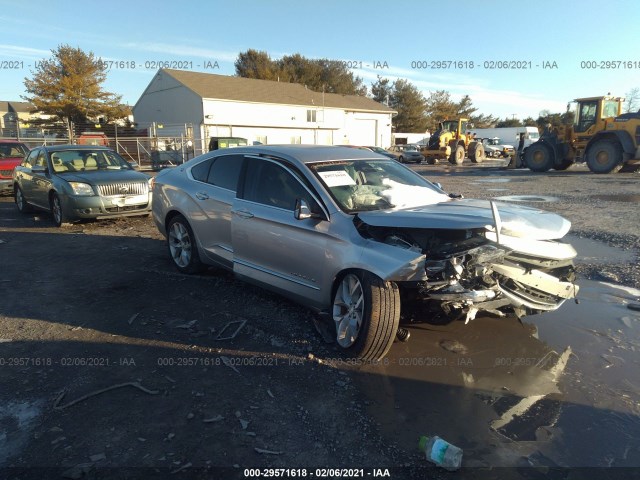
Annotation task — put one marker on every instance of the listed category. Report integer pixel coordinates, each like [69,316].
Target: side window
[225,171]
[30,159]
[201,170]
[41,161]
[270,184]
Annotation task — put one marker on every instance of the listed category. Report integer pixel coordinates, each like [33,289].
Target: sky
[513,58]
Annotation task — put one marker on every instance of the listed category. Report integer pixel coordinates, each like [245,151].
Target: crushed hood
[517,220]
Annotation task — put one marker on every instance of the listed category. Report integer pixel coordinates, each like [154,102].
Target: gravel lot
[112,366]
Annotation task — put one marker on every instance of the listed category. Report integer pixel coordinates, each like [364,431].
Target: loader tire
[457,155]
[605,156]
[476,152]
[538,157]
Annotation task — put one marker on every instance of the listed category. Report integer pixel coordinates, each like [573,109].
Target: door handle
[202,196]
[242,213]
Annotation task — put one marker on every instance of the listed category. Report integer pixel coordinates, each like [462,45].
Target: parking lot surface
[114,365]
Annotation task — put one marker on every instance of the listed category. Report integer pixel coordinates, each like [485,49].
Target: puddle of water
[541,396]
[16,422]
[594,252]
[493,180]
[623,197]
[527,198]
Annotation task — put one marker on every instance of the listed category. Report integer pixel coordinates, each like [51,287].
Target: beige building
[264,111]
[11,111]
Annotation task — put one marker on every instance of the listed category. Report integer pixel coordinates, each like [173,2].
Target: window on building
[262,140]
[311,115]
[296,140]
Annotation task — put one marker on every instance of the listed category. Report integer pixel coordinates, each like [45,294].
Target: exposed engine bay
[473,270]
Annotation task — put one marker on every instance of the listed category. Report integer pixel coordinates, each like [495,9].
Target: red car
[12,153]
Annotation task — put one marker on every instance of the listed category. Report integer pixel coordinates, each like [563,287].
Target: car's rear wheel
[183,249]
[21,202]
[59,217]
[366,312]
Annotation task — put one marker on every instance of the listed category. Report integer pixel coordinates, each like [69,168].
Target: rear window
[225,172]
[13,150]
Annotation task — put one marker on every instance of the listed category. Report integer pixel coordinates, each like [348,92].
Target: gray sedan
[407,153]
[80,181]
[345,231]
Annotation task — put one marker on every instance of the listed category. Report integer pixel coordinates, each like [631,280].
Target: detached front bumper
[93,207]
[498,279]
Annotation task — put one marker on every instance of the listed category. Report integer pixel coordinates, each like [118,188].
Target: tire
[366,312]
[59,217]
[21,201]
[182,246]
[401,159]
[605,156]
[538,157]
[457,155]
[476,152]
[432,161]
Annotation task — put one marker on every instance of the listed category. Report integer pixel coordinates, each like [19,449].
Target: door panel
[270,245]
[213,191]
[41,182]
[273,248]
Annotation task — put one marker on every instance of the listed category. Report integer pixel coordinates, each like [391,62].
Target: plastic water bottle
[441,452]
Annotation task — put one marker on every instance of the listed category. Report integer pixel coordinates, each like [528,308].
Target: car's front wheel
[21,202]
[59,217]
[181,242]
[366,312]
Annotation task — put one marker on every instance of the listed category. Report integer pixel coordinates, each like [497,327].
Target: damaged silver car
[350,233]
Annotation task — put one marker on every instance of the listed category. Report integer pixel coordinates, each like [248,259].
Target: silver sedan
[344,231]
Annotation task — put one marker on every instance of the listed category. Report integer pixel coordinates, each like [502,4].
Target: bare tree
[632,102]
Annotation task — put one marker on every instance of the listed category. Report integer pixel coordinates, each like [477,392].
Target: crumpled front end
[497,278]
[474,270]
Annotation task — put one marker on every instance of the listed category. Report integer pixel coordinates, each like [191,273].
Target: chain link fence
[150,148]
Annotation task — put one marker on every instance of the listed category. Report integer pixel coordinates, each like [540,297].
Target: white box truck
[509,135]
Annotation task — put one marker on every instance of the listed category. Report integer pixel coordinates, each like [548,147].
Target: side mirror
[438,184]
[38,169]
[303,211]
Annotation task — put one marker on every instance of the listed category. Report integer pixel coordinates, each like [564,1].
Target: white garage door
[363,132]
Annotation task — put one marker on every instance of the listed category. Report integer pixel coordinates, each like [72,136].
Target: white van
[509,135]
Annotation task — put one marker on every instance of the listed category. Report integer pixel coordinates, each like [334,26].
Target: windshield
[360,185]
[87,161]
[13,150]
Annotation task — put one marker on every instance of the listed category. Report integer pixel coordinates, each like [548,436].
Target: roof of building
[223,87]
[19,107]
[22,107]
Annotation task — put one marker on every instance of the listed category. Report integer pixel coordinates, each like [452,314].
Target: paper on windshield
[337,178]
[405,196]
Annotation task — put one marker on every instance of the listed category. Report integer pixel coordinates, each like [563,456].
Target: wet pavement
[561,389]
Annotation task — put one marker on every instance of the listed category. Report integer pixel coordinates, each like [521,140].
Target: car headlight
[81,189]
